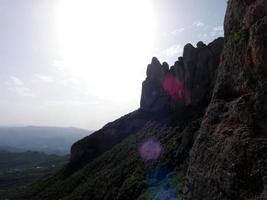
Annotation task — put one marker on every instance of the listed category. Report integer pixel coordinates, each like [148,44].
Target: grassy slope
[121,173]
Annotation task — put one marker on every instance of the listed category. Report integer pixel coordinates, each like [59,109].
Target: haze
[82,62]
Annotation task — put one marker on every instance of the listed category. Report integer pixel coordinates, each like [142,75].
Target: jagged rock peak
[155,69]
[201,44]
[165,66]
[189,81]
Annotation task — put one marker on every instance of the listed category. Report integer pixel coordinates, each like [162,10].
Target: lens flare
[175,88]
[162,184]
[150,149]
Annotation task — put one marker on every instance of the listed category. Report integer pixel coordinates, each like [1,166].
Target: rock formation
[189,82]
[205,120]
[171,100]
[163,92]
[153,96]
[229,158]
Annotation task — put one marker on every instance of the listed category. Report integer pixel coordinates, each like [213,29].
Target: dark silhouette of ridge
[173,101]
[200,131]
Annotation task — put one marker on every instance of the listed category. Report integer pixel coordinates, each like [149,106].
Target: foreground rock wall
[229,157]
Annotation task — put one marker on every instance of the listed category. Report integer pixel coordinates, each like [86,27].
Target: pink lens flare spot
[175,88]
[150,149]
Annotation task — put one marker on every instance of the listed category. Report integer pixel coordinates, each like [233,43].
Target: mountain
[20,169]
[51,140]
[143,154]
[199,134]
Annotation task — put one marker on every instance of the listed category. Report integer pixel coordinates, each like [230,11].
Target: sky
[81,63]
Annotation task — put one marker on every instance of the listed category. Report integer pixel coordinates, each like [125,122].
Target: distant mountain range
[50,140]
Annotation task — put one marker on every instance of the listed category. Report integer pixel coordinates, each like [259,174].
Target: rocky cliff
[165,91]
[229,158]
[189,82]
[200,132]
[153,141]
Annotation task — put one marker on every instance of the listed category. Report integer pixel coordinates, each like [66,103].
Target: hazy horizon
[79,63]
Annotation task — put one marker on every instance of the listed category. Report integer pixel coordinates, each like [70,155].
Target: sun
[106,43]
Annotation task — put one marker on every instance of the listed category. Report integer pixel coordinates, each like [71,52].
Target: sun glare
[107,44]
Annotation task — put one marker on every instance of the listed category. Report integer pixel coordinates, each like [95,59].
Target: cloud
[203,36]
[173,50]
[16,85]
[59,64]
[217,30]
[24,92]
[198,24]
[16,81]
[45,78]
[177,31]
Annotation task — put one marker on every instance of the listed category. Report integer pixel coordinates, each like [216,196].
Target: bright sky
[82,62]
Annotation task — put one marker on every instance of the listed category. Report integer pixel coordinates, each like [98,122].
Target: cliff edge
[229,158]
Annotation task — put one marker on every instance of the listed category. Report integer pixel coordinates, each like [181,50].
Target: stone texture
[229,157]
[228,139]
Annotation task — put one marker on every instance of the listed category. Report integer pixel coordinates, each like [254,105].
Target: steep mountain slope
[120,173]
[229,158]
[179,138]
[164,98]
[144,154]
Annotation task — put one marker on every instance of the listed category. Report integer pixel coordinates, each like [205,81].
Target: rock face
[219,115]
[146,150]
[153,96]
[189,82]
[229,157]
[165,92]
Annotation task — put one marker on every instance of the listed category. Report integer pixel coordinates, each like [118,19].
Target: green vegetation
[121,173]
[17,170]
[241,35]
